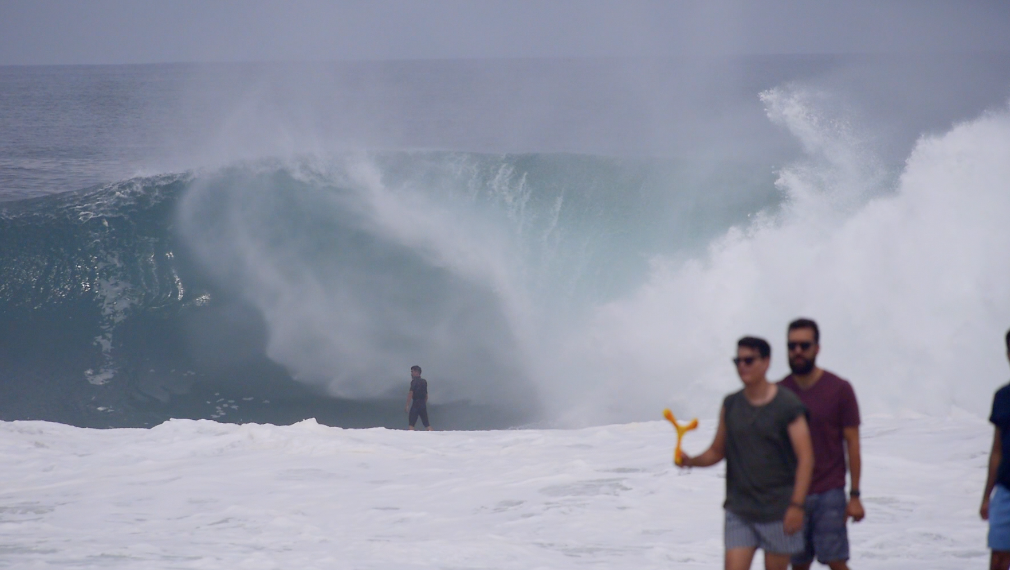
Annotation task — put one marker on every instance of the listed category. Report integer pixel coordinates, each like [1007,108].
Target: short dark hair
[415,367]
[807,324]
[759,344]
[1008,340]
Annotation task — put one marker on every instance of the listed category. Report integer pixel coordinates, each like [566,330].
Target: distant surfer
[417,398]
[764,438]
[996,506]
[833,414]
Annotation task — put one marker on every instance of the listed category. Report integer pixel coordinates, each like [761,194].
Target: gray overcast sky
[147,31]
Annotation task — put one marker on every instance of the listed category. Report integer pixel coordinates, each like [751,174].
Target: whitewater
[204,495]
[904,272]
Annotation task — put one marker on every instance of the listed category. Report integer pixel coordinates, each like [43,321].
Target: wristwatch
[854,493]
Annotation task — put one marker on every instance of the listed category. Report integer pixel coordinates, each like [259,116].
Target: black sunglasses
[747,360]
[804,346]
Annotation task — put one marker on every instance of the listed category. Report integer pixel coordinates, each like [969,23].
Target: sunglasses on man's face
[803,346]
[745,360]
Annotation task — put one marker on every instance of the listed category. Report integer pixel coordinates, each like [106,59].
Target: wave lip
[906,281]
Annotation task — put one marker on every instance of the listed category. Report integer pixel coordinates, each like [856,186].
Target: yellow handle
[678,455]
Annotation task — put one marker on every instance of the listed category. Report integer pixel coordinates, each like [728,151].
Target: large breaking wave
[563,288]
[907,275]
[245,292]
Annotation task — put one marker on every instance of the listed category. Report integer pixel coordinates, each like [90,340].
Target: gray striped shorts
[768,536]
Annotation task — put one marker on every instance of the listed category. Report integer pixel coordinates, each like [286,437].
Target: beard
[802,366]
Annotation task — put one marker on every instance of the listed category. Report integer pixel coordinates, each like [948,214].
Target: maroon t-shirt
[831,405]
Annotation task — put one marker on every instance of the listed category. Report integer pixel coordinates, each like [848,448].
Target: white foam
[909,283]
[203,495]
[903,270]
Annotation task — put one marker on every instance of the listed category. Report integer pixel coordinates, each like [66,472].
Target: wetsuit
[419,407]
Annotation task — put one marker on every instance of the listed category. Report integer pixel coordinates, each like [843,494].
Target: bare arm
[715,452]
[799,436]
[855,506]
[410,398]
[851,435]
[995,457]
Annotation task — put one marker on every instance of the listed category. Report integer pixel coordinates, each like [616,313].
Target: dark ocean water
[269,243]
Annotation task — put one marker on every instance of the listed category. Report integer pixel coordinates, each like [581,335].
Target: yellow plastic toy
[678,455]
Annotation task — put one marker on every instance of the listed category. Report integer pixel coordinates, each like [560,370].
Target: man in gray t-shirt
[764,437]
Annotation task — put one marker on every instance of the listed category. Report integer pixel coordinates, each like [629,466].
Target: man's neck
[760,392]
[806,381]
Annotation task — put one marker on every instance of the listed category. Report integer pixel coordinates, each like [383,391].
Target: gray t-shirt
[760,461]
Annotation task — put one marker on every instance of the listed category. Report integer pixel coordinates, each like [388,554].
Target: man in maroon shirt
[834,430]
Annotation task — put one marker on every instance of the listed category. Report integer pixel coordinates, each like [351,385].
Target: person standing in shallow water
[417,398]
[763,436]
[996,506]
[833,414]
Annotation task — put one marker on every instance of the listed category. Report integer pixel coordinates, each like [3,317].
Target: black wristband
[854,493]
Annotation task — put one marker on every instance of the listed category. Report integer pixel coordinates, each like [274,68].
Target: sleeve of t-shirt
[1000,407]
[794,407]
[850,407]
[798,410]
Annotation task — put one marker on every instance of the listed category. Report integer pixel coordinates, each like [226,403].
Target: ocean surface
[556,243]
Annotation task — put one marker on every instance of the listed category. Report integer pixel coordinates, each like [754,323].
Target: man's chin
[801,369]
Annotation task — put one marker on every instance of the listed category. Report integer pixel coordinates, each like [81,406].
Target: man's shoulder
[732,397]
[732,400]
[788,396]
[1001,406]
[828,382]
[789,382]
[835,379]
[1002,395]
